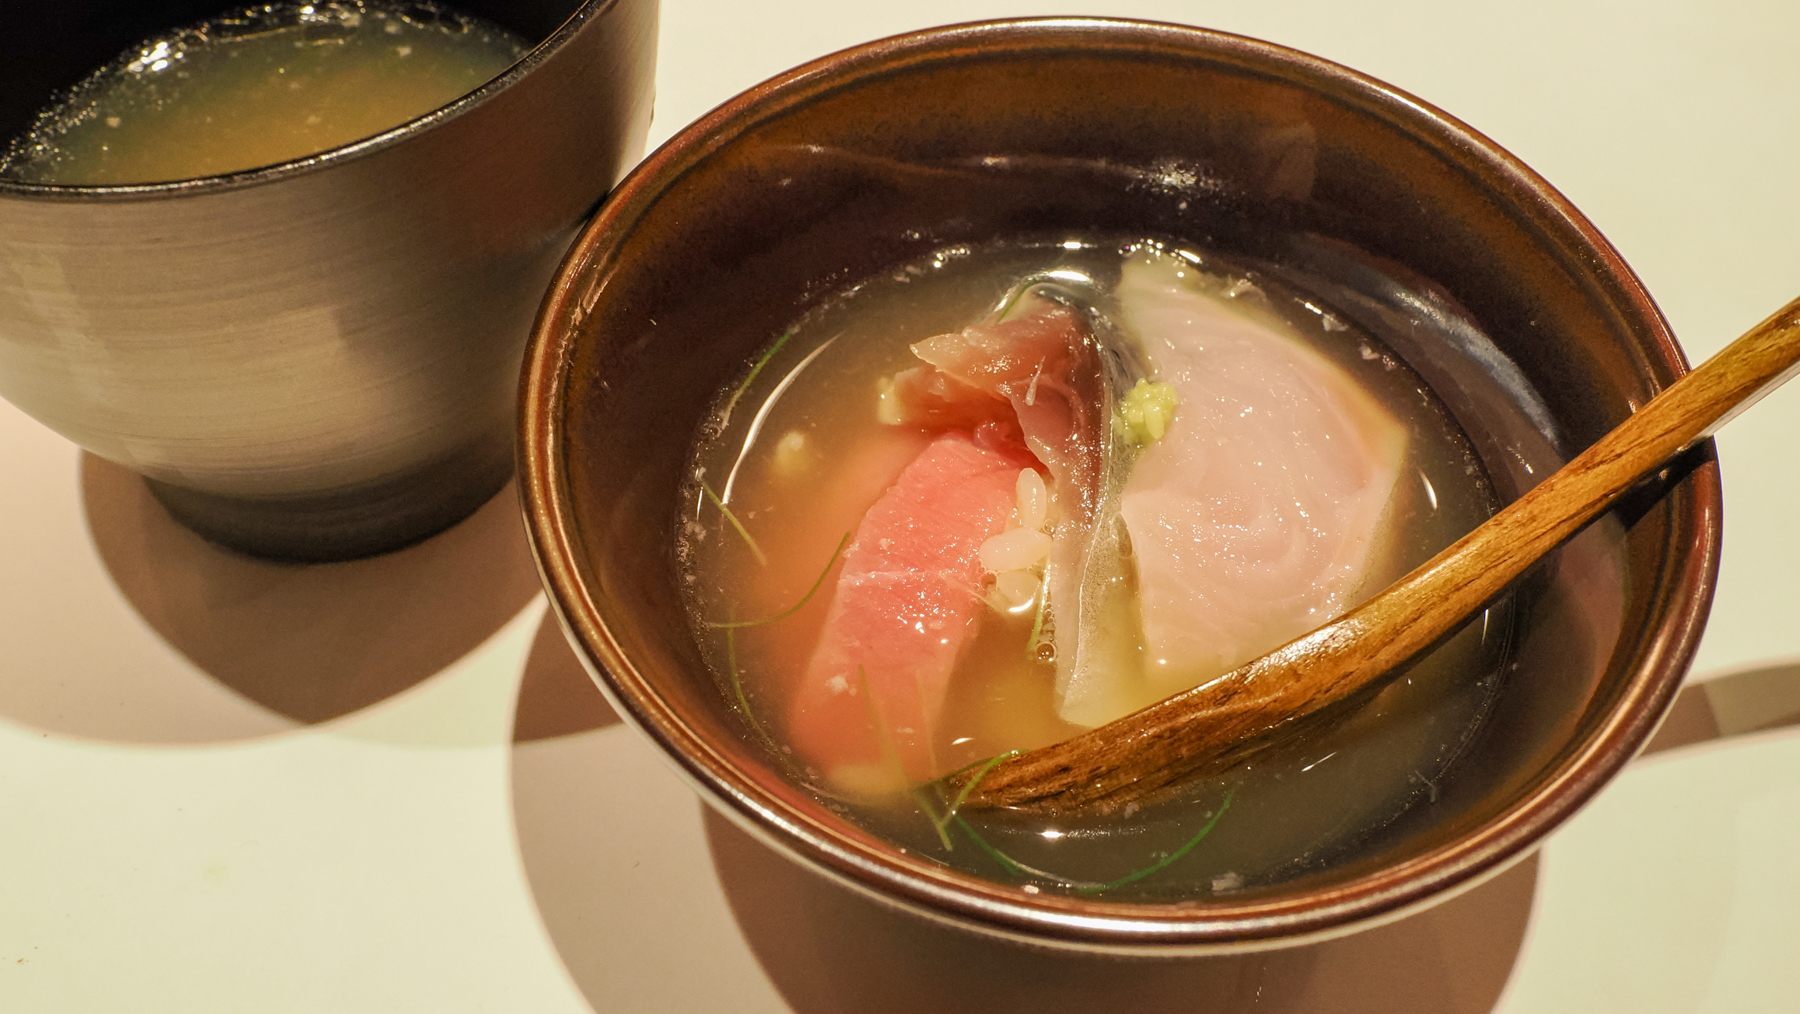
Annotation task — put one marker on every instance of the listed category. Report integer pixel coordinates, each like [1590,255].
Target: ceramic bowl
[316,359]
[870,157]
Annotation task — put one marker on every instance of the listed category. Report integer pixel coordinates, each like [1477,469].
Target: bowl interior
[865,159]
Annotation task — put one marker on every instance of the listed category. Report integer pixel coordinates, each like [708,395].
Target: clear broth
[257,87]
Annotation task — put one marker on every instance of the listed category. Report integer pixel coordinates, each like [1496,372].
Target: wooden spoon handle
[1215,723]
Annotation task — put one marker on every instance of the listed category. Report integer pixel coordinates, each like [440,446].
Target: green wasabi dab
[1146,410]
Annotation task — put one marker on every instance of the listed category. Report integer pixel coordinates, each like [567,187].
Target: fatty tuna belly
[1254,519]
[906,601]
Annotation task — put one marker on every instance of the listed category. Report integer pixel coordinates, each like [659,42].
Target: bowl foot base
[354,523]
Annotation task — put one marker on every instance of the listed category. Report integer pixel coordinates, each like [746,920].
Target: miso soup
[1002,494]
[255,87]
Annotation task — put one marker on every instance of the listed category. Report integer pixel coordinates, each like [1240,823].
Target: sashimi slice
[1254,518]
[906,600]
[1037,369]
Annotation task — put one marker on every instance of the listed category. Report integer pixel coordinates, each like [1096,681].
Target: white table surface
[387,786]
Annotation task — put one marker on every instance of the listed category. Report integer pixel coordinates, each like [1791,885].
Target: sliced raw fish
[1037,369]
[1254,518]
[907,598]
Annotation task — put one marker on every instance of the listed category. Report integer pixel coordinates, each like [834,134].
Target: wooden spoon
[1218,723]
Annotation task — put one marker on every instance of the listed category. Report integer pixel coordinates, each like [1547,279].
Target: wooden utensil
[1217,724]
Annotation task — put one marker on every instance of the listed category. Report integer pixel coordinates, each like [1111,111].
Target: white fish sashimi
[1255,517]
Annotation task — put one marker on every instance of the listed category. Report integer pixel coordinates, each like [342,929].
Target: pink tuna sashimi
[1038,370]
[1253,519]
[906,600]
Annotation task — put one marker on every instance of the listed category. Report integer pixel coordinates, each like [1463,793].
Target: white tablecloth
[387,786]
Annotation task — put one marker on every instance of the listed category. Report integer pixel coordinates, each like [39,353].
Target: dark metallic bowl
[314,359]
[878,154]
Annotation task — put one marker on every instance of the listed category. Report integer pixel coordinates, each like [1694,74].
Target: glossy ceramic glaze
[316,359]
[878,154]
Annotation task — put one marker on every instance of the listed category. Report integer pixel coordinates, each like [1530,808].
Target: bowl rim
[1689,559]
[535,55]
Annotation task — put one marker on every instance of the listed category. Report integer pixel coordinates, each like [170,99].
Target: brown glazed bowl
[876,155]
[314,359]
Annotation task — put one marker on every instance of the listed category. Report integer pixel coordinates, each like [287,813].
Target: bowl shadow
[1738,702]
[824,947]
[827,948]
[556,696]
[301,643]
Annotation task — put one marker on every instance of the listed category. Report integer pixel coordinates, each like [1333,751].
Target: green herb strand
[940,825]
[738,526]
[962,795]
[1008,863]
[743,699]
[1013,297]
[796,607]
[755,369]
[1020,870]
[890,750]
[1165,862]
